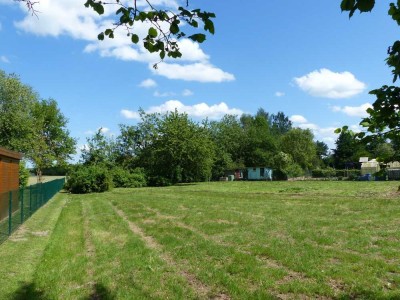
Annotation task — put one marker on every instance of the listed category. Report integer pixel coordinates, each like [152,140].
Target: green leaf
[209,25]
[338,130]
[108,32]
[98,7]
[199,37]
[153,32]
[347,5]
[365,5]
[174,28]
[162,54]
[135,38]
[100,36]
[365,124]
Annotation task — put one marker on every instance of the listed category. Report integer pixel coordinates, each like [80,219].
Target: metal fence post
[30,200]
[10,213]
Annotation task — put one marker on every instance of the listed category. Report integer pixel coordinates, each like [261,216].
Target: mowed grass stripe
[125,267]
[22,252]
[200,289]
[226,270]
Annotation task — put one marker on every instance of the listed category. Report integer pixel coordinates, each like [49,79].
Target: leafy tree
[259,143]
[384,119]
[228,137]
[177,150]
[99,150]
[52,144]
[280,123]
[16,119]
[34,127]
[300,145]
[346,147]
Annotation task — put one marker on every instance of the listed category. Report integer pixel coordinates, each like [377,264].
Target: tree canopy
[33,126]
[384,118]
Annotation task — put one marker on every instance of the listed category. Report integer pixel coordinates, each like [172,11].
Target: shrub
[324,173]
[23,174]
[88,179]
[159,181]
[126,179]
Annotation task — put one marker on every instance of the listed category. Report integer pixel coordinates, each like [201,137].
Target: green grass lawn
[222,240]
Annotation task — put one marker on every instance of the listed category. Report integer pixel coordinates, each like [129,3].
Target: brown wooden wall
[9,174]
[9,170]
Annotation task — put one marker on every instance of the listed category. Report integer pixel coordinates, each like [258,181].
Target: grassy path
[21,254]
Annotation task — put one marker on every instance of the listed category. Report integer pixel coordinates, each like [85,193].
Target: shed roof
[11,154]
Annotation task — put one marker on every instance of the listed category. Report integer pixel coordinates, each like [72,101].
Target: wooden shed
[259,173]
[9,170]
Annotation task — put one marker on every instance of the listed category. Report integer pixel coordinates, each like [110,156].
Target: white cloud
[201,110]
[353,111]
[148,83]
[128,114]
[327,84]
[165,94]
[202,72]
[187,93]
[298,119]
[71,18]
[4,59]
[279,94]
[104,130]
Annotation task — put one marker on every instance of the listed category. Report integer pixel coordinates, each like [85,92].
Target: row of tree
[172,148]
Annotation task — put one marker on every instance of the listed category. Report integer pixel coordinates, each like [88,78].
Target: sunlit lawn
[223,240]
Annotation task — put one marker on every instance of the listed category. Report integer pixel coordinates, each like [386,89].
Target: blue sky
[304,58]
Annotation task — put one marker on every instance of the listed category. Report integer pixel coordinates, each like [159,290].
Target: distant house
[259,173]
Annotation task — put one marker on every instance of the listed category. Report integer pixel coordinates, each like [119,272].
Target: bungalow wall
[259,173]
[9,179]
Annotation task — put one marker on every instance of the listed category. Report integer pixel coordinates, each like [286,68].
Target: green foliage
[23,174]
[300,145]
[324,173]
[52,142]
[34,127]
[383,119]
[88,179]
[128,179]
[158,38]
[99,150]
[176,148]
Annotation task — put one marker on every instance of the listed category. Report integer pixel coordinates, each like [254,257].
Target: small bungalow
[259,173]
[9,178]
[370,167]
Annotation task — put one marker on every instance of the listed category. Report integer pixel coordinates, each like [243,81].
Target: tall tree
[300,145]
[178,149]
[99,150]
[51,143]
[280,123]
[16,119]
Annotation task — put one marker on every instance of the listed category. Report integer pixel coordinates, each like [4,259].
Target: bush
[159,181]
[125,179]
[324,173]
[88,179]
[23,174]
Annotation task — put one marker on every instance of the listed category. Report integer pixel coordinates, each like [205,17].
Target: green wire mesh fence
[18,205]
